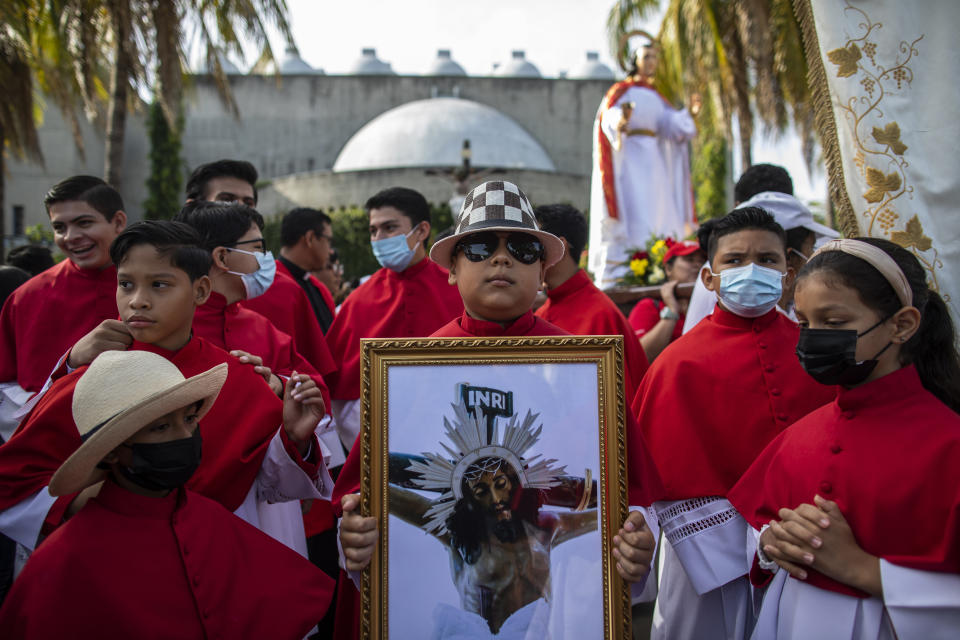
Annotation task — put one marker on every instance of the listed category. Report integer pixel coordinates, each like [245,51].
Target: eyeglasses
[477,247]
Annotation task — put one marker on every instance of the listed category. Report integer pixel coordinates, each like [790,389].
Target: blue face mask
[256,283]
[393,252]
[750,291]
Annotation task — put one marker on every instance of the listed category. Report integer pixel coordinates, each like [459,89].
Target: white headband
[879,260]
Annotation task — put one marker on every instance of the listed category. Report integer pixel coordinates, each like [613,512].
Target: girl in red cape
[858,503]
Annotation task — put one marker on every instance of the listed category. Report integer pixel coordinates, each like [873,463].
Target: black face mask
[163,465]
[830,355]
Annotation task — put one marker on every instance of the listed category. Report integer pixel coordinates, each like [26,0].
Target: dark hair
[10,278]
[739,220]
[241,169]
[409,202]
[932,349]
[32,258]
[564,221]
[174,240]
[797,236]
[704,231]
[218,224]
[300,220]
[90,189]
[762,177]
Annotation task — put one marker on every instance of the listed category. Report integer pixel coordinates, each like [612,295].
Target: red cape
[713,399]
[413,303]
[45,316]
[235,432]
[644,483]
[322,288]
[286,305]
[579,307]
[231,326]
[888,453]
[129,566]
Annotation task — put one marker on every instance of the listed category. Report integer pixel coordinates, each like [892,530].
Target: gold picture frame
[548,371]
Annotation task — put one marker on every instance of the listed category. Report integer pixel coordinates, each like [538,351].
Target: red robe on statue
[413,303]
[888,453]
[236,433]
[644,484]
[131,566]
[714,399]
[286,305]
[579,307]
[43,318]
[231,326]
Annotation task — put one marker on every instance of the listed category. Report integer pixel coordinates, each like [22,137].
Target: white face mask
[751,290]
[256,283]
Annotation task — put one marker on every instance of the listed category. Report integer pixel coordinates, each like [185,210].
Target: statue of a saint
[641,175]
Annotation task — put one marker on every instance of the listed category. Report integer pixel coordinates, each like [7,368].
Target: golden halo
[623,49]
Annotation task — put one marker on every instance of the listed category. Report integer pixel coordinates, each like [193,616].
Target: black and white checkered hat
[496,206]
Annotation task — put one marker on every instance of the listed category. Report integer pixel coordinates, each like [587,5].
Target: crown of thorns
[472,454]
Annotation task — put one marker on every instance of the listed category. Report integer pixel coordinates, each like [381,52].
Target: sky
[555,34]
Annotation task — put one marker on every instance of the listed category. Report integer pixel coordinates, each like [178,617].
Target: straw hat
[496,206]
[119,394]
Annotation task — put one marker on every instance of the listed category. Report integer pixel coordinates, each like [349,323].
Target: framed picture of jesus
[497,470]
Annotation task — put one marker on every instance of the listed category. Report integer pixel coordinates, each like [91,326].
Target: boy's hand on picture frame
[358,534]
[633,548]
[109,335]
[303,407]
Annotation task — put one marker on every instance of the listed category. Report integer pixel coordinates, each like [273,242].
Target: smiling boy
[44,317]
[262,449]
[707,406]
[147,558]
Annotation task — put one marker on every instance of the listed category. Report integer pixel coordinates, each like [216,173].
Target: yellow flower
[639,267]
[658,249]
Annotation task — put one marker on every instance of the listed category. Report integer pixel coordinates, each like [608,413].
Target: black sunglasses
[477,247]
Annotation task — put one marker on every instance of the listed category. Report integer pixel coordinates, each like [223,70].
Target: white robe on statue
[652,180]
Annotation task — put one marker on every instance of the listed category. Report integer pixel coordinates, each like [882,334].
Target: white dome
[443,65]
[293,63]
[518,67]
[290,64]
[593,69]
[430,133]
[228,67]
[369,64]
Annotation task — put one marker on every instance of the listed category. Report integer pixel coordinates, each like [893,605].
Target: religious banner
[496,470]
[882,74]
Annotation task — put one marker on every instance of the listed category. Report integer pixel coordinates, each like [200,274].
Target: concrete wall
[324,189]
[27,183]
[301,124]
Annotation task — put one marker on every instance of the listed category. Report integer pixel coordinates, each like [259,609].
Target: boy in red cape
[283,303]
[241,270]
[707,406]
[147,558]
[497,258]
[262,449]
[574,303]
[408,297]
[43,318]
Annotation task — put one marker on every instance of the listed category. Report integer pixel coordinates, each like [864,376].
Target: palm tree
[37,57]
[149,40]
[744,56]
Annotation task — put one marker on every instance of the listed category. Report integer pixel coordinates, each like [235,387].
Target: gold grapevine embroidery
[880,154]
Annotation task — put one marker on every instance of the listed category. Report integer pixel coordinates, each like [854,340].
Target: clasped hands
[818,536]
